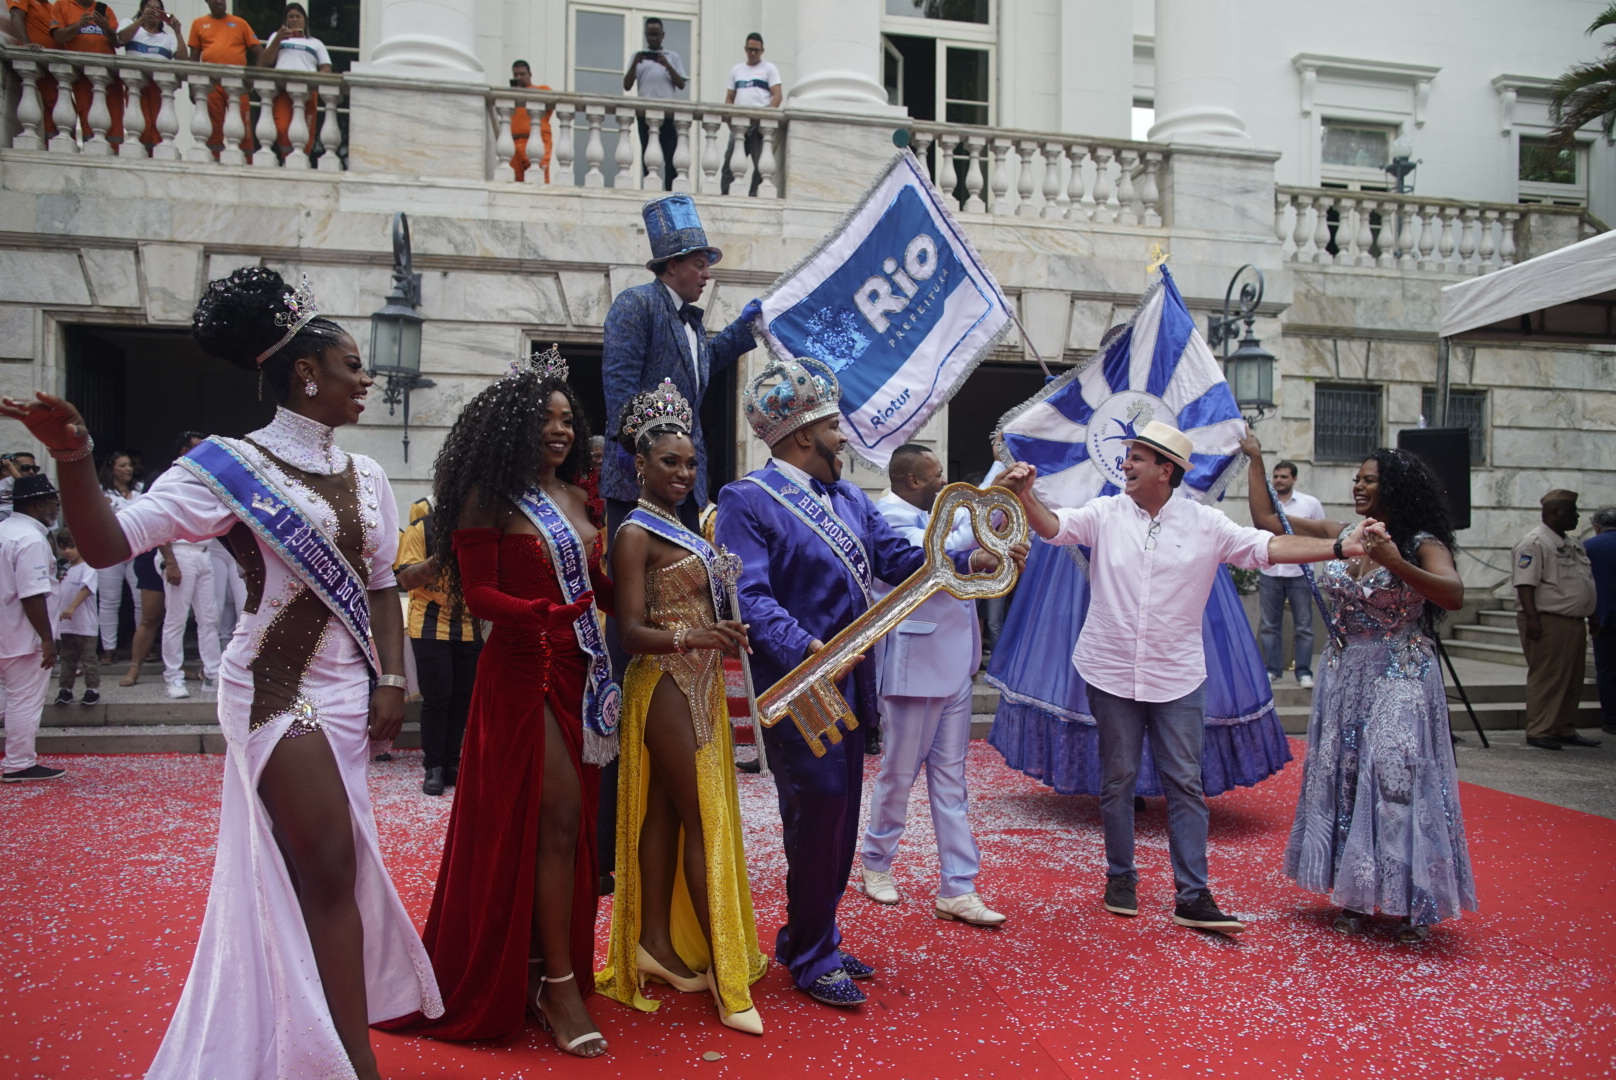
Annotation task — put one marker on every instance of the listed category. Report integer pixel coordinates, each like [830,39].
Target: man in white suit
[924,675]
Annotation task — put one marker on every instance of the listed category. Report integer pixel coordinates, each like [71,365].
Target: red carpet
[105,876]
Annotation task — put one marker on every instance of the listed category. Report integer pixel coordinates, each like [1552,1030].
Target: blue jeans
[1177,729]
[1273,593]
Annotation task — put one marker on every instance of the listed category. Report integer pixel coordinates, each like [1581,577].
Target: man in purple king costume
[812,545]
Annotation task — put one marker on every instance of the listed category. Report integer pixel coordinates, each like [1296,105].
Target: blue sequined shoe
[855,968]
[835,988]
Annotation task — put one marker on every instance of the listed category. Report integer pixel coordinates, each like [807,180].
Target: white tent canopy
[1568,296]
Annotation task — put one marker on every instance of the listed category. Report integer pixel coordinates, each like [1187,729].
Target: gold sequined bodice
[679,597]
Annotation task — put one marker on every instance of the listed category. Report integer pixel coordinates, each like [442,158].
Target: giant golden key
[808,693]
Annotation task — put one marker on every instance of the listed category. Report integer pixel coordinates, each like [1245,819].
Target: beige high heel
[537,1005]
[647,966]
[748,1021]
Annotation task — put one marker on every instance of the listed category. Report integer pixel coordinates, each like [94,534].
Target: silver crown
[788,394]
[547,364]
[661,406]
[301,309]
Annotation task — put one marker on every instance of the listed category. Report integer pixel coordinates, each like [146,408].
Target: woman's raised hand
[52,420]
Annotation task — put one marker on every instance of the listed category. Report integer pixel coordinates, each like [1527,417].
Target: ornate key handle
[807,693]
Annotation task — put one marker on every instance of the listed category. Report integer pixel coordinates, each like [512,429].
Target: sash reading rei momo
[819,517]
[602,699]
[683,537]
[311,555]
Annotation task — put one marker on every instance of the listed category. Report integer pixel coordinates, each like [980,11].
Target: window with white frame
[1354,155]
[939,59]
[604,36]
[1552,173]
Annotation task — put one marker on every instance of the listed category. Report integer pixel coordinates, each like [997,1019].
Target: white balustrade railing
[595,142]
[1335,227]
[1035,175]
[127,82]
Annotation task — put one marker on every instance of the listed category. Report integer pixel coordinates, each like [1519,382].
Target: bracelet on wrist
[398,682]
[1339,554]
[78,453]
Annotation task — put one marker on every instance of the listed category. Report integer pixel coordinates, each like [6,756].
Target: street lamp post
[1250,368]
[395,332]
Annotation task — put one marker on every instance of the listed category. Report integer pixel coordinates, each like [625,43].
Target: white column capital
[426,39]
[839,58]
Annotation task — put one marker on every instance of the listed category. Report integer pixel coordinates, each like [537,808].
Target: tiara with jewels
[547,364]
[301,308]
[661,406]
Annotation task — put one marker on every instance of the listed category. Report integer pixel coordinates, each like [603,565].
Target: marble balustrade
[1390,231]
[604,148]
[182,91]
[985,170]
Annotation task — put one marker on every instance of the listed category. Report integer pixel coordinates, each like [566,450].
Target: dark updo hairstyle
[105,472]
[1412,500]
[235,321]
[648,436]
[493,449]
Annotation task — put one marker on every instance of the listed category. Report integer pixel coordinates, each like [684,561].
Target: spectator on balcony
[90,27]
[292,49]
[30,26]
[155,34]
[522,124]
[655,72]
[221,38]
[754,84]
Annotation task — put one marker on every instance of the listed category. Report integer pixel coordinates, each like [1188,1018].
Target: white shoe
[879,886]
[968,908]
[176,690]
[1272,678]
[1305,681]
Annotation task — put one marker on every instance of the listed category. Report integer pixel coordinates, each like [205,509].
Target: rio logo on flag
[896,303]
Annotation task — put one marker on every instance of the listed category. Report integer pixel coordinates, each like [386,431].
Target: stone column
[1197,51]
[839,57]
[432,39]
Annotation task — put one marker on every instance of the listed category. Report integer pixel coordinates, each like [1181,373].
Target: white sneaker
[176,690]
[879,886]
[1305,681]
[968,908]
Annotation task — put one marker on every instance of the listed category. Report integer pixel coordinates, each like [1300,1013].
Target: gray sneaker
[1121,895]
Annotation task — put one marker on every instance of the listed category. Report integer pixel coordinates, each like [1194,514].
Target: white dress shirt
[1299,505]
[690,334]
[26,563]
[1149,581]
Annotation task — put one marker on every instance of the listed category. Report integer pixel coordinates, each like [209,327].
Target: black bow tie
[690,315]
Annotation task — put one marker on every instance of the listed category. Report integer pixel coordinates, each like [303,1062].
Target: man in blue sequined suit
[796,591]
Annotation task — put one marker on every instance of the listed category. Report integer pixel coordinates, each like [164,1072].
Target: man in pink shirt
[1152,562]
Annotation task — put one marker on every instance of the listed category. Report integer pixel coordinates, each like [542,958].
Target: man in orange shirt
[31,26]
[88,27]
[221,38]
[522,124]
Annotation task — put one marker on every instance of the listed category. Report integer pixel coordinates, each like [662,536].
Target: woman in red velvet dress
[512,924]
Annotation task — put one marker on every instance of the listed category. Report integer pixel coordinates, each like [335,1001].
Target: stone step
[1497,617]
[1496,633]
[158,739]
[1489,651]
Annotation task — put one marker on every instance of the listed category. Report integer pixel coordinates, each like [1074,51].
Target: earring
[639,478]
[310,389]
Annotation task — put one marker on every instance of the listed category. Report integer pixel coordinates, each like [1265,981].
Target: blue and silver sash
[311,555]
[683,537]
[602,698]
[819,517]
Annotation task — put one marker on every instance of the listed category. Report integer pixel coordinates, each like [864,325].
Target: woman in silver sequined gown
[1378,825]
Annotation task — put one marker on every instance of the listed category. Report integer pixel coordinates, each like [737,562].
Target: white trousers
[22,702]
[193,593]
[229,590]
[934,732]
[109,597]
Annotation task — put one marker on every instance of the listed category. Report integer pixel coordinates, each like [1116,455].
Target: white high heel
[647,966]
[748,1021]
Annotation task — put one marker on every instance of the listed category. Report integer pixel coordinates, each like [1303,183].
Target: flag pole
[1028,341]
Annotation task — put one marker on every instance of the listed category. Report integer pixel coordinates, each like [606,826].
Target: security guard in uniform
[1554,595]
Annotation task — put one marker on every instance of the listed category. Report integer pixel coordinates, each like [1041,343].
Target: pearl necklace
[652,508]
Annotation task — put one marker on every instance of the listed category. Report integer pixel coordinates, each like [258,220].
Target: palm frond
[1606,18]
[1584,94]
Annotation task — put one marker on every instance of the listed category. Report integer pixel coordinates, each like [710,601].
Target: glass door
[603,38]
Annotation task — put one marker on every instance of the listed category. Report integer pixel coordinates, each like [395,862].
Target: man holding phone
[657,73]
[89,26]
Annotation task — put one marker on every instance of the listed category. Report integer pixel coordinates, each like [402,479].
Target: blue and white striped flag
[1156,367]
[898,304]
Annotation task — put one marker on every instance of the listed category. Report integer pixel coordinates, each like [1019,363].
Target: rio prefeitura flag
[898,304]
[1154,367]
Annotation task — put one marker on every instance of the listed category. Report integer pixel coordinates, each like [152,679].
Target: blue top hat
[675,229]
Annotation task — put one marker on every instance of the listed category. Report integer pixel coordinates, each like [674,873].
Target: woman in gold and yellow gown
[682,913]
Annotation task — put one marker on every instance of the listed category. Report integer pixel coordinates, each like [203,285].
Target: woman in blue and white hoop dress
[1378,825]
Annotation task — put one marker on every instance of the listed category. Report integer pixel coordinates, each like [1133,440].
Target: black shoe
[1121,895]
[1574,739]
[749,766]
[1609,729]
[1544,743]
[91,697]
[33,772]
[1203,914]
[872,744]
[433,784]
[383,756]
[451,773]
[1139,805]
[606,885]
[63,697]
